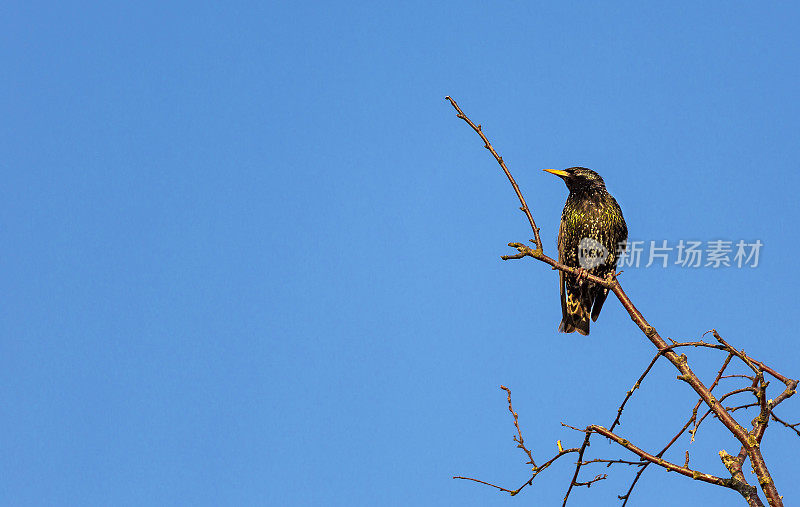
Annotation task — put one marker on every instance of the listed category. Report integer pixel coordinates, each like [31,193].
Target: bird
[592,235]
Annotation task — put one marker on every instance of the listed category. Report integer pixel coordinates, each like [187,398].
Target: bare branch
[749,377]
[578,465]
[520,443]
[792,427]
[589,483]
[610,462]
[518,439]
[740,407]
[734,466]
[511,492]
[488,146]
[635,387]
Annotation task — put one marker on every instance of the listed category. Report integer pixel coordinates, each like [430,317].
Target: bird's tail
[576,310]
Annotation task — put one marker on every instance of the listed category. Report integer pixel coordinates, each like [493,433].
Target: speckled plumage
[590,215]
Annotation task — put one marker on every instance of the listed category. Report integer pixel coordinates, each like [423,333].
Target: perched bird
[592,234]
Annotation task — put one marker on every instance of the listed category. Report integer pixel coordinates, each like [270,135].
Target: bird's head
[579,178]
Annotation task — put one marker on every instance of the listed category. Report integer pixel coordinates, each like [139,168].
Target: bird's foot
[582,273]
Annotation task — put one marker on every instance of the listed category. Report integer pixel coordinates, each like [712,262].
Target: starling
[591,236]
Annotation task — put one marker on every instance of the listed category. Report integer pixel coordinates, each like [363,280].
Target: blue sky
[251,257]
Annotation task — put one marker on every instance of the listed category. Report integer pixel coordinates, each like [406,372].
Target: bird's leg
[581,274]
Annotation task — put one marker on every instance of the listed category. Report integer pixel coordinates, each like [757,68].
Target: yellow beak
[562,174]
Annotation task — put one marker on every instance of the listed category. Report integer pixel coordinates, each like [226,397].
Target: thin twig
[520,443]
[792,427]
[488,146]
[589,483]
[635,387]
[740,407]
[610,462]
[749,377]
[518,439]
[578,465]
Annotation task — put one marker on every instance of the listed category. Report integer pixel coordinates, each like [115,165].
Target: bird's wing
[561,278]
[621,236]
[622,232]
[600,295]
